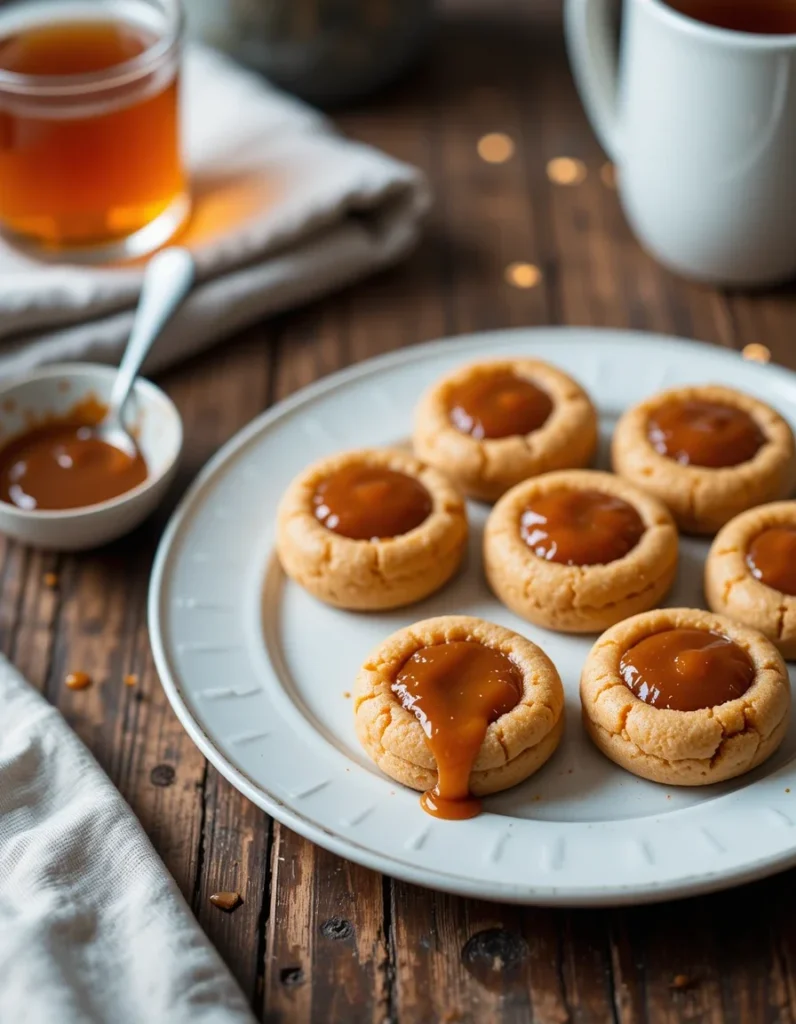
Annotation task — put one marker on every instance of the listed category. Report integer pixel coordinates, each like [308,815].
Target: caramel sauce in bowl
[74,492]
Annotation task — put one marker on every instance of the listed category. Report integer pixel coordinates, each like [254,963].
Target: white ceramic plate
[259,672]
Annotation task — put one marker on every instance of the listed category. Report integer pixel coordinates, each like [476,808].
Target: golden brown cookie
[491,424]
[371,529]
[615,550]
[512,746]
[750,572]
[728,452]
[727,729]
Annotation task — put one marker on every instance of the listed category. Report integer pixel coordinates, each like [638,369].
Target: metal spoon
[167,280]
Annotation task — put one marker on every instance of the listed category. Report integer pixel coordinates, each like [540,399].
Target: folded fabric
[92,927]
[285,210]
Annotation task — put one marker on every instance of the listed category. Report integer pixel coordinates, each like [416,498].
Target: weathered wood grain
[328,958]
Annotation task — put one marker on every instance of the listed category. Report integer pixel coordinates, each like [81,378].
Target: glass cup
[90,164]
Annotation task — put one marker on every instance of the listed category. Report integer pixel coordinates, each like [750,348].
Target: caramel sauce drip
[371,502]
[62,464]
[709,434]
[498,405]
[687,669]
[580,527]
[772,558]
[455,690]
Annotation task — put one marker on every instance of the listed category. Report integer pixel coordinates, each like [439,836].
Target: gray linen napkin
[285,211]
[92,927]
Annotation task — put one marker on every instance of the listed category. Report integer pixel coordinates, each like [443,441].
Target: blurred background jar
[326,51]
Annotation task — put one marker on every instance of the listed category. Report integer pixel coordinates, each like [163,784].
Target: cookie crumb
[347,694]
[228,901]
[78,680]
[537,798]
[682,981]
[787,790]
[51,580]
[131,679]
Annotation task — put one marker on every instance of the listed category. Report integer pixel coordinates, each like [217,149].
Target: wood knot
[337,928]
[162,775]
[291,977]
[494,954]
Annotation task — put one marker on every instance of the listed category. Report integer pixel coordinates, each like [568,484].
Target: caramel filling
[371,502]
[498,405]
[772,558]
[455,690]
[64,464]
[687,669]
[580,527]
[698,433]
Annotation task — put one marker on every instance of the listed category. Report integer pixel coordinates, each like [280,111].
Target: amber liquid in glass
[764,17]
[104,165]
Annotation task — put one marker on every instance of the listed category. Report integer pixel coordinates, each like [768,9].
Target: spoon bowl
[150,418]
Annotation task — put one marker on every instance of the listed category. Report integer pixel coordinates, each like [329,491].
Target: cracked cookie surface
[486,468]
[369,575]
[703,499]
[731,588]
[514,747]
[579,598]
[684,748]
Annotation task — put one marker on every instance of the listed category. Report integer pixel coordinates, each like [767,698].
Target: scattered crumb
[537,798]
[681,981]
[226,900]
[131,679]
[787,791]
[451,1016]
[668,796]
[78,680]
[51,580]
[346,694]
[570,771]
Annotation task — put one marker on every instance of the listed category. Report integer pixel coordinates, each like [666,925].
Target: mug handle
[591,44]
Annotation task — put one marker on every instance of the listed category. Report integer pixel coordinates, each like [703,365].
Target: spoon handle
[168,277]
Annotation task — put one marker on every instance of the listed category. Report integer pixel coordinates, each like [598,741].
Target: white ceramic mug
[701,124]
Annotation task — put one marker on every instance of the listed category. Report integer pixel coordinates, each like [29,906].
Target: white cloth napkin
[92,927]
[284,211]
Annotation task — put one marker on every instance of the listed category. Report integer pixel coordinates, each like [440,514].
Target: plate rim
[347,847]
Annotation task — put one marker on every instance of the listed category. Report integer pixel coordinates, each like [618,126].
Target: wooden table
[317,938]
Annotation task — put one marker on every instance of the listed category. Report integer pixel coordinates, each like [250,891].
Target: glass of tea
[90,164]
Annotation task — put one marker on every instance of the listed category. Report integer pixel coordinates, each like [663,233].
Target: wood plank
[326,948]
[458,960]
[328,958]
[226,390]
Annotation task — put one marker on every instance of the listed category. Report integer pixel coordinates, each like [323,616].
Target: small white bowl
[53,391]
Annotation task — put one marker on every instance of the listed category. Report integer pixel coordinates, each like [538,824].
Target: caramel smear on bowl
[60,463]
